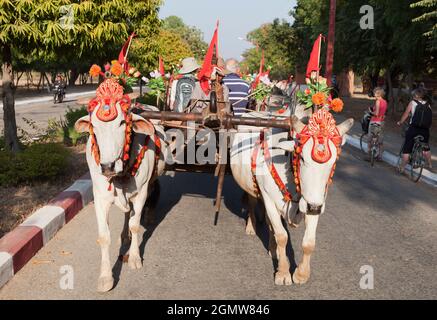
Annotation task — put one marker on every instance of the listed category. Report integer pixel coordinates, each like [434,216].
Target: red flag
[260,73]
[161,66]
[122,57]
[205,73]
[314,62]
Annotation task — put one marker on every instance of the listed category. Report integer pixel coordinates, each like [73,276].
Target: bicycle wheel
[373,154]
[362,141]
[417,164]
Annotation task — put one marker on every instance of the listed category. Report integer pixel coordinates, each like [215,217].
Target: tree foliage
[429,17]
[191,35]
[277,39]
[395,44]
[68,31]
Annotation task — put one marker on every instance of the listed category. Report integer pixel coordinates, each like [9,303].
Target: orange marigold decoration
[319,98]
[337,105]
[95,70]
[116,68]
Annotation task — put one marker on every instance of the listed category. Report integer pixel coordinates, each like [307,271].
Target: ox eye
[122,122]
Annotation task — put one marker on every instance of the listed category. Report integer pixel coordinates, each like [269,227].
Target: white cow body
[311,200]
[113,182]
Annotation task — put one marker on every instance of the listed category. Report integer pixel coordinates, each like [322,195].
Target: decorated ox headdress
[321,129]
[108,94]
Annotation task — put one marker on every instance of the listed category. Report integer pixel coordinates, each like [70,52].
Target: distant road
[41,109]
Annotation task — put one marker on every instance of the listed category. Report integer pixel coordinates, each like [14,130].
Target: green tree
[191,35]
[428,17]
[277,40]
[394,47]
[66,28]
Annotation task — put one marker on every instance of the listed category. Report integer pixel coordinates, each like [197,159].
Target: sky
[237,18]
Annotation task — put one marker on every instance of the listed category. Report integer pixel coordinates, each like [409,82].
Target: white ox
[314,178]
[111,176]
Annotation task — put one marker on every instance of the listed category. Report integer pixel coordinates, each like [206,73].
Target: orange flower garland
[337,105]
[319,99]
[116,68]
[95,70]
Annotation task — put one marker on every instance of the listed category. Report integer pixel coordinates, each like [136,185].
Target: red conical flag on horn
[122,57]
[207,68]
[161,66]
[314,62]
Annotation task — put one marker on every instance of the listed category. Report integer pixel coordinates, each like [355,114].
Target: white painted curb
[6,268]
[392,159]
[50,219]
[85,188]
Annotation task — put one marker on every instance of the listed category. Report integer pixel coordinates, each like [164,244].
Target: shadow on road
[198,185]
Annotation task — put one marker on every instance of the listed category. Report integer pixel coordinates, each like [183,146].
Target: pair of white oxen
[134,191]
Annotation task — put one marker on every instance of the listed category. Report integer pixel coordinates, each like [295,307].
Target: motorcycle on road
[58,93]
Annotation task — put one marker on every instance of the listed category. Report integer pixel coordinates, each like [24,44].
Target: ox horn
[345,126]
[296,124]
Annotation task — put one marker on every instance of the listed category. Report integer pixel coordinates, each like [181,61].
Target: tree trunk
[19,77]
[74,74]
[49,84]
[390,91]
[10,124]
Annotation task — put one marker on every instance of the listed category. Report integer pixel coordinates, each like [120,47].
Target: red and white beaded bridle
[108,94]
[321,129]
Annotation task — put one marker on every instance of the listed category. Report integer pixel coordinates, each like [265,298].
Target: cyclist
[419,124]
[376,124]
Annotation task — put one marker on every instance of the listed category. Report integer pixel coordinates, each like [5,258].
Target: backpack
[365,122]
[184,90]
[422,117]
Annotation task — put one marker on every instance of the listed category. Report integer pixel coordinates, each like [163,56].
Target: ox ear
[286,145]
[345,126]
[141,125]
[82,124]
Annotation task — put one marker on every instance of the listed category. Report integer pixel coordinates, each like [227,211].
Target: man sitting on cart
[187,88]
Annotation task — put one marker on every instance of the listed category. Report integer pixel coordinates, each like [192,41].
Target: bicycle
[374,148]
[416,159]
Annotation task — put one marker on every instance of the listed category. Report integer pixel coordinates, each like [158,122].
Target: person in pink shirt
[378,111]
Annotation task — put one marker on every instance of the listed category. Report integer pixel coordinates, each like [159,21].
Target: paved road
[41,111]
[374,217]
[41,108]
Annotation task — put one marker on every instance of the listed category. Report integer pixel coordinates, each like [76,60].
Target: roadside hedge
[37,162]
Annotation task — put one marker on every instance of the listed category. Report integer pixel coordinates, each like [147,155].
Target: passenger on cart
[187,94]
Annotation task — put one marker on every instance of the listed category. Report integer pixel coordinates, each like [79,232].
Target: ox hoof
[134,262]
[104,284]
[300,278]
[283,279]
